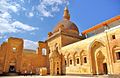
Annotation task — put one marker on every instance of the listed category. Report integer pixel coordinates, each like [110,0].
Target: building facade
[65,51]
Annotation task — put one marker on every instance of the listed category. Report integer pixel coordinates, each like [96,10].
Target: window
[65,62]
[113,36]
[77,60]
[118,55]
[70,61]
[85,60]
[48,51]
[57,63]
[44,51]
[14,49]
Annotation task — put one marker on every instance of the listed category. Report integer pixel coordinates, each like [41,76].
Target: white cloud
[6,5]
[5,15]
[7,23]
[22,26]
[28,44]
[48,7]
[45,8]
[13,8]
[9,26]
[31,14]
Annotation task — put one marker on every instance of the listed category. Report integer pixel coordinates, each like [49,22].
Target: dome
[67,25]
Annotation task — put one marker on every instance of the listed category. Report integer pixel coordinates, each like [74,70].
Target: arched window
[70,62]
[44,52]
[65,62]
[77,60]
[67,58]
[83,57]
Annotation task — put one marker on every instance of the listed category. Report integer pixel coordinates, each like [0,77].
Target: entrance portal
[105,68]
[101,63]
[98,58]
[12,69]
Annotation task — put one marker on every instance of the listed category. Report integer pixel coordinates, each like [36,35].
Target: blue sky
[33,19]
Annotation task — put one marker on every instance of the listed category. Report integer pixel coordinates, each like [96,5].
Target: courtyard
[60,46]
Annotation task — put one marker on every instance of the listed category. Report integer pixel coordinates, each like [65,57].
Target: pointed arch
[67,59]
[83,57]
[76,58]
[97,47]
[67,55]
[96,41]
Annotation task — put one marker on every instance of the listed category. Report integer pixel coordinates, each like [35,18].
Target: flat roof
[101,24]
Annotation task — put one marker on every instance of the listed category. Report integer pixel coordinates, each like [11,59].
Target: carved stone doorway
[101,64]
[98,58]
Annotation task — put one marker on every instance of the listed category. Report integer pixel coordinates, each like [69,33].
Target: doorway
[105,68]
[57,71]
[12,69]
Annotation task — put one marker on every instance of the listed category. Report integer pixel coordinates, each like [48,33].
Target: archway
[55,62]
[98,58]
[101,65]
[12,69]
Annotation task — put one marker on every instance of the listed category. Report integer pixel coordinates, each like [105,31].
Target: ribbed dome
[67,25]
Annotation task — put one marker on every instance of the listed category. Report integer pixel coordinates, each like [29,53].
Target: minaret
[66,13]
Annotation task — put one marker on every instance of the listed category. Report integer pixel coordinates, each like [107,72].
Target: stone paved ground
[100,76]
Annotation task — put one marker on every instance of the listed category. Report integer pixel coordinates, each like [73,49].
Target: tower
[13,55]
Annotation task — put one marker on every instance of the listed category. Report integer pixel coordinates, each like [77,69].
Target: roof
[67,25]
[101,24]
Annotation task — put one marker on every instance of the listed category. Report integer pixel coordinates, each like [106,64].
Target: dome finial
[66,7]
[66,13]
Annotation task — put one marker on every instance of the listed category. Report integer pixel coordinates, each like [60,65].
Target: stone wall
[102,42]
